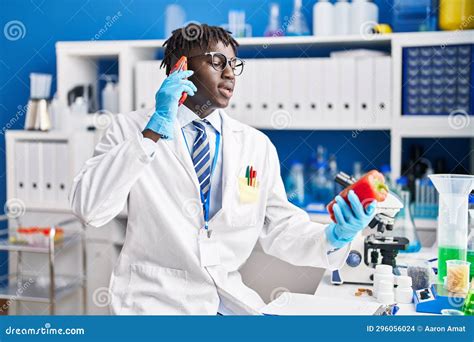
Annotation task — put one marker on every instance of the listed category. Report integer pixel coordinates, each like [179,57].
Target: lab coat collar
[186,116]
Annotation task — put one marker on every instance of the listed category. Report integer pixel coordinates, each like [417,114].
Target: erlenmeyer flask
[405,226]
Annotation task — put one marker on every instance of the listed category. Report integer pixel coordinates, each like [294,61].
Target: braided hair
[182,40]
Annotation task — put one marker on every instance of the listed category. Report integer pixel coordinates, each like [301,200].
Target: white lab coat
[158,270]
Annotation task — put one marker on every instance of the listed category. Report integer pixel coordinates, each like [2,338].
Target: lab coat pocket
[156,290]
[245,211]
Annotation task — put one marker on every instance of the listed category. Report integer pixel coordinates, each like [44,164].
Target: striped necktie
[202,159]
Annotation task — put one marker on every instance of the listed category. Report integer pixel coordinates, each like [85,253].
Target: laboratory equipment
[37,115]
[382,273]
[403,291]
[364,16]
[323,18]
[297,25]
[274,26]
[452,217]
[436,298]
[456,14]
[420,273]
[294,184]
[405,226]
[237,24]
[342,11]
[426,199]
[385,294]
[357,170]
[366,250]
[110,94]
[457,278]
[414,15]
[85,93]
[470,239]
[468,307]
[175,17]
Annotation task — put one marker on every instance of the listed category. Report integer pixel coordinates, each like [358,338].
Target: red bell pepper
[369,187]
[181,64]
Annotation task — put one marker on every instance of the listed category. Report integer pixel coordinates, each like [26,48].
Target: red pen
[254,178]
[250,176]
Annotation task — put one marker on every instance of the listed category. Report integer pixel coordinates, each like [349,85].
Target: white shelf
[433,126]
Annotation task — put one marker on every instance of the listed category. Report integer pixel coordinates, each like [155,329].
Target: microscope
[371,248]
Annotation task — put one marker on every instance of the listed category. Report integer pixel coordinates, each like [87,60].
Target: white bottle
[323,18]
[342,17]
[404,291]
[110,95]
[364,15]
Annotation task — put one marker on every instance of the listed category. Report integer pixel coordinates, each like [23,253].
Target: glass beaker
[452,217]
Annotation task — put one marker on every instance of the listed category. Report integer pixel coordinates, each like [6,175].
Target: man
[201,189]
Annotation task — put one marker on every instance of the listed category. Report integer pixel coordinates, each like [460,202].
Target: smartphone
[181,64]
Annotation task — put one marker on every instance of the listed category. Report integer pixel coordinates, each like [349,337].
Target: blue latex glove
[350,219]
[167,98]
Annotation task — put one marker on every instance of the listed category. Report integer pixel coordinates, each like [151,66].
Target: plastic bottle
[295,184]
[403,291]
[342,17]
[364,15]
[110,94]
[297,25]
[335,188]
[357,170]
[456,14]
[274,27]
[323,18]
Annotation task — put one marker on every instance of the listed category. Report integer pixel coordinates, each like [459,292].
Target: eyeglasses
[219,62]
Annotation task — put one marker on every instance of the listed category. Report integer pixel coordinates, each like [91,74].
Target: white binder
[383,89]
[264,92]
[281,89]
[365,90]
[299,93]
[315,90]
[331,91]
[21,169]
[148,79]
[35,170]
[248,85]
[347,90]
[49,185]
[63,178]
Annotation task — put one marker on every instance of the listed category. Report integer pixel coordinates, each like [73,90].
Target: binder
[299,93]
[281,89]
[315,90]
[383,89]
[364,90]
[331,91]
[21,186]
[49,185]
[263,92]
[347,90]
[33,165]
[248,84]
[63,179]
[148,79]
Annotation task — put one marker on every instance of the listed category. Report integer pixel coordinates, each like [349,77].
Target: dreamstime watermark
[280,119]
[280,296]
[102,119]
[458,119]
[24,286]
[287,21]
[191,207]
[46,330]
[101,297]
[14,30]
[365,123]
[200,109]
[19,114]
[109,22]
[192,31]
[14,208]
[366,30]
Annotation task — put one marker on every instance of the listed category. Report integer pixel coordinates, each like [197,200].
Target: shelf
[440,126]
[68,241]
[32,291]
